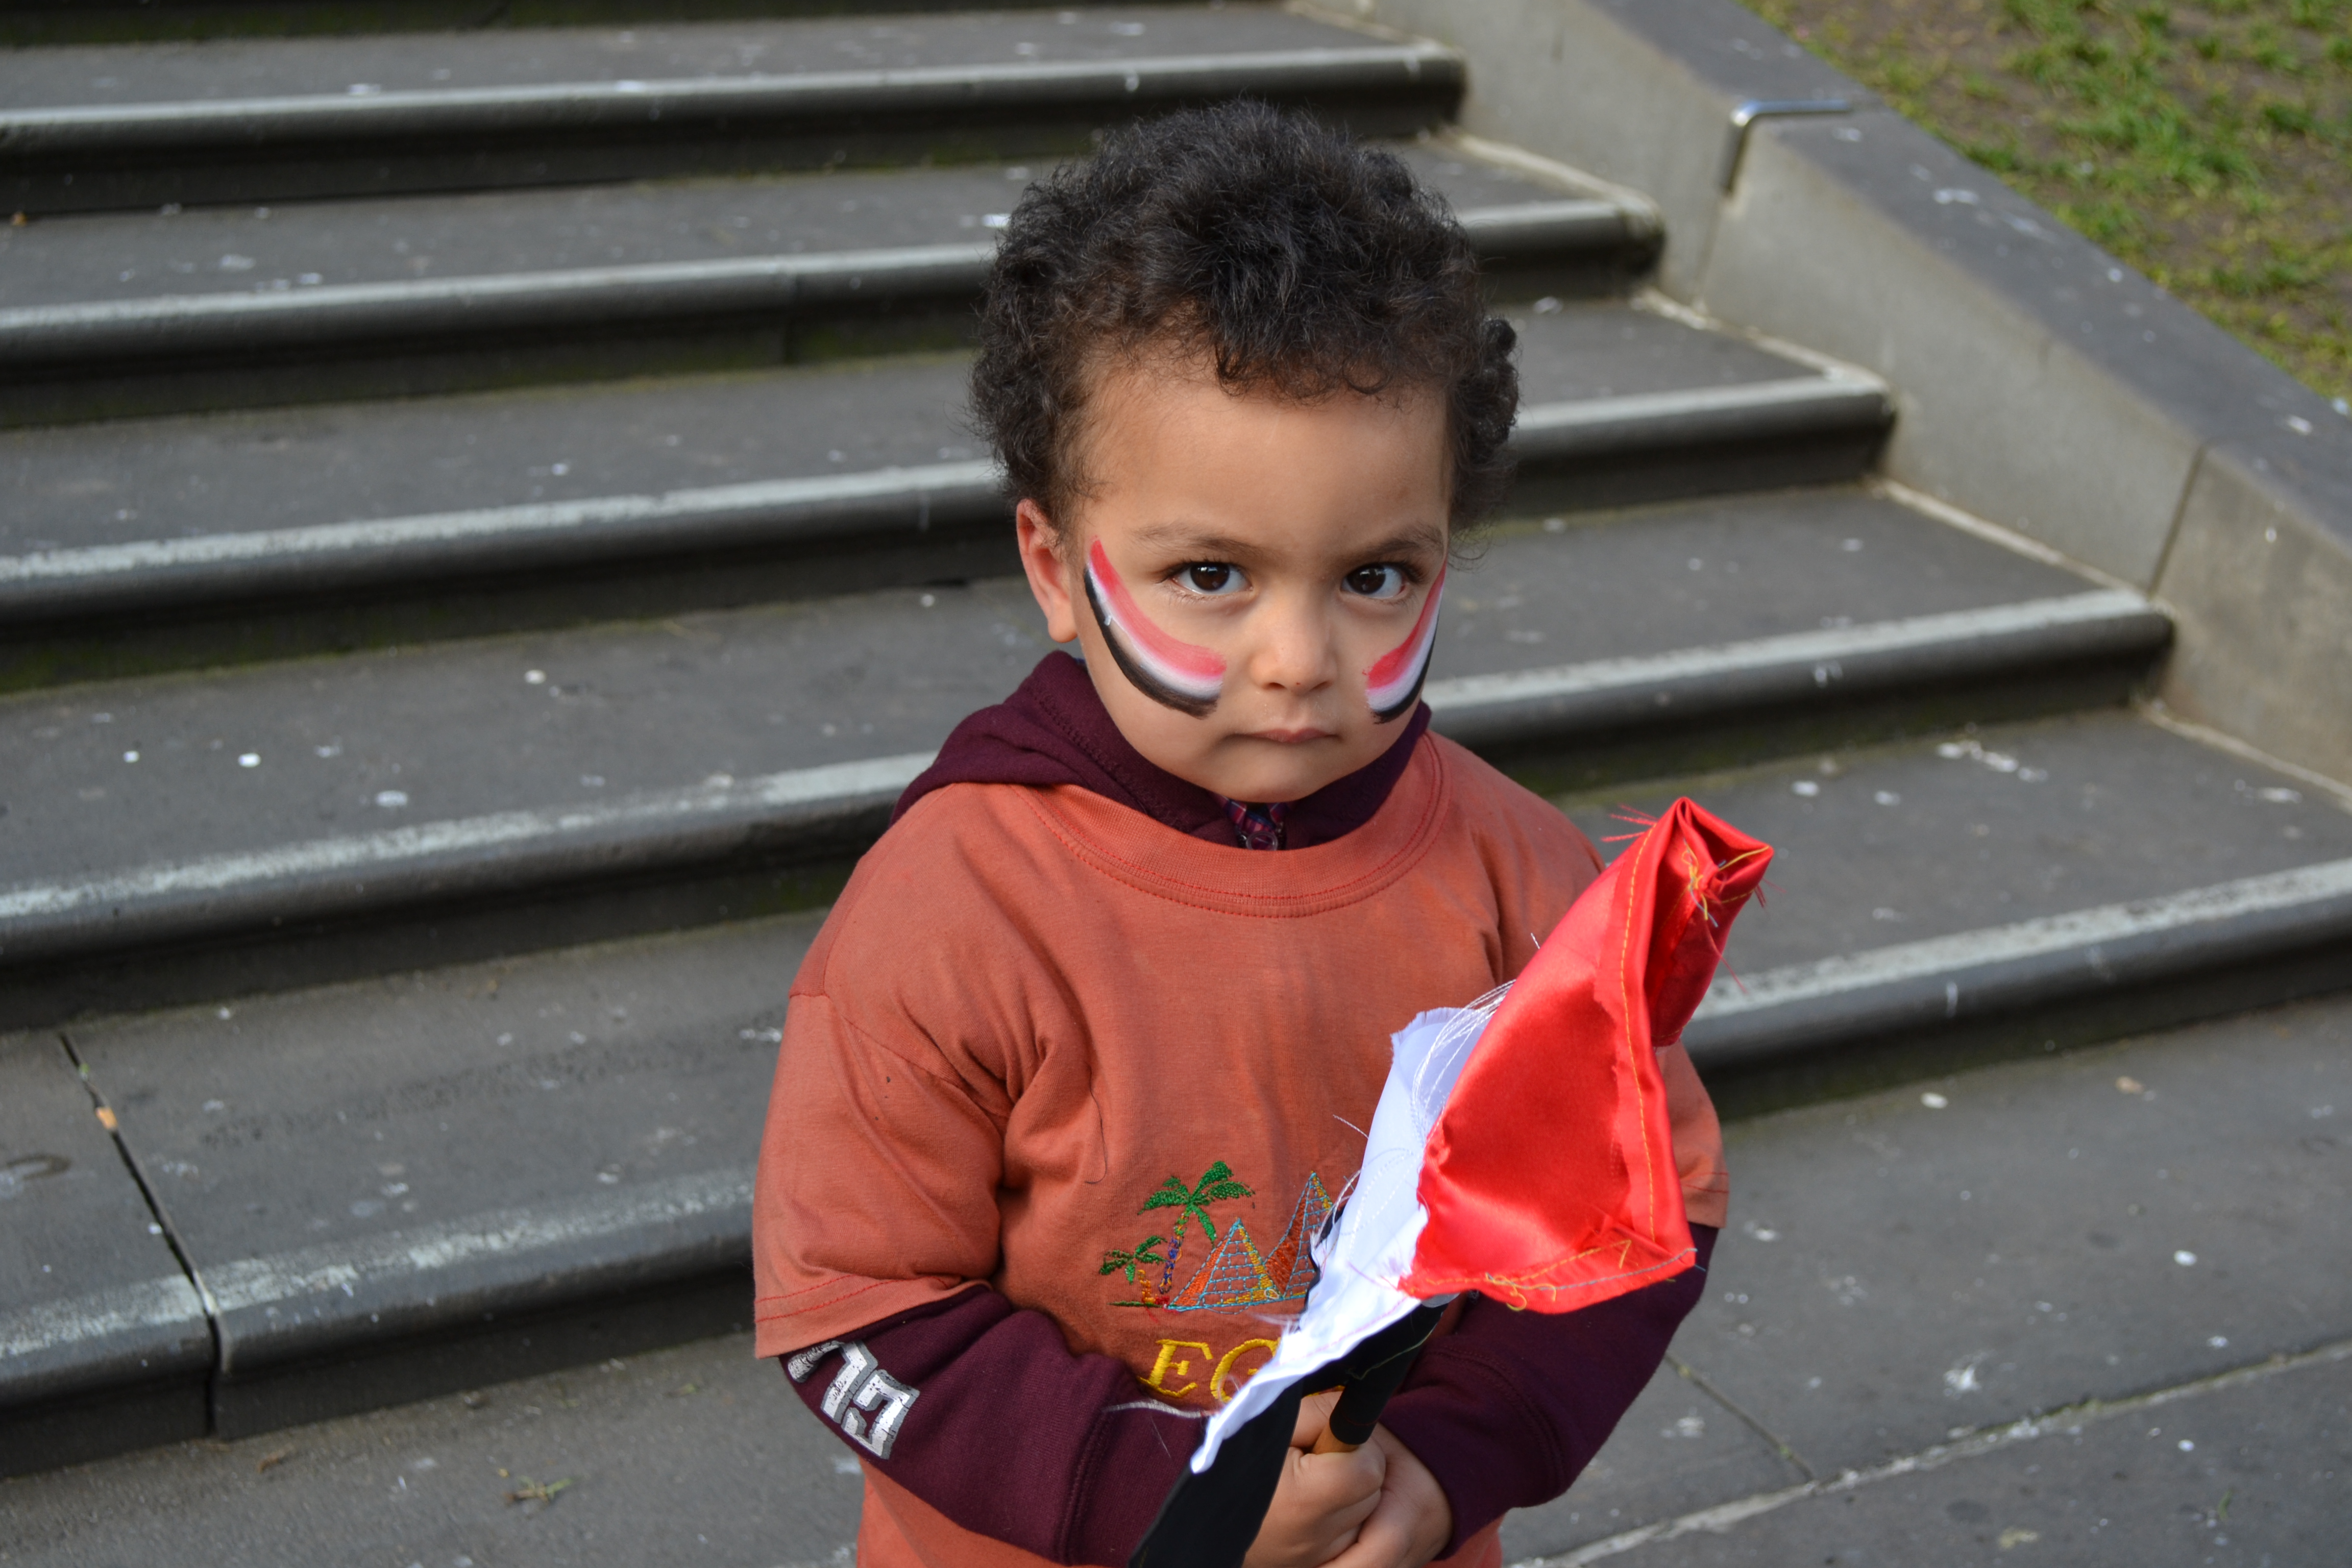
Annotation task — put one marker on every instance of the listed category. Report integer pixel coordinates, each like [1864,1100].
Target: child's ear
[1052,577]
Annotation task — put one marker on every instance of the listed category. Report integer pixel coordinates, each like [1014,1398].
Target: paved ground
[2146,1245]
[2252,1468]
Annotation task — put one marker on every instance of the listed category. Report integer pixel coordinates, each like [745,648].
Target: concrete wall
[2039,382]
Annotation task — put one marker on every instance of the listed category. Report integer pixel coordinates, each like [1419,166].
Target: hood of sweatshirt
[1054,729]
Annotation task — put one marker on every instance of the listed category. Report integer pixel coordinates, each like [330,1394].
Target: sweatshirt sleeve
[1509,1409]
[980,1410]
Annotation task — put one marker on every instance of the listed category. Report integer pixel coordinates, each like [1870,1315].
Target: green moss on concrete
[2208,143]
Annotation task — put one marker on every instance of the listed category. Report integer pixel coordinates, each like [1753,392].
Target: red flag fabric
[1549,1178]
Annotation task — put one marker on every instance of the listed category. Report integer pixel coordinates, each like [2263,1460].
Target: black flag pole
[1211,1516]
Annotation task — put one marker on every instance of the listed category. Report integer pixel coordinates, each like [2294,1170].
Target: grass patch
[2208,143]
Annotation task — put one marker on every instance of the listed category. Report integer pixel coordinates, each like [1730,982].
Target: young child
[1083,1054]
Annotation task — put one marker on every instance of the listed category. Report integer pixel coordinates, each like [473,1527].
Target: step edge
[339,876]
[165,324]
[155,573]
[1625,423]
[1797,1009]
[347,875]
[107,1337]
[1643,690]
[259,121]
[522,1258]
[188,324]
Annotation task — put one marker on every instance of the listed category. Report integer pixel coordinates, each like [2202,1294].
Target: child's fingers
[1345,1487]
[1341,1487]
[1411,1522]
[1319,1504]
[1314,1416]
[1334,1503]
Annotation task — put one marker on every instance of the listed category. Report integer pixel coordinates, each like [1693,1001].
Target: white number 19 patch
[865,1401]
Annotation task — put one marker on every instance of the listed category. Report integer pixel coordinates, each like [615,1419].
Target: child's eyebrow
[1409,542]
[1183,539]
[1187,540]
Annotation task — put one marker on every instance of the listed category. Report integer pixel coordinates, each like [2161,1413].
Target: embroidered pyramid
[1235,1276]
[1290,1267]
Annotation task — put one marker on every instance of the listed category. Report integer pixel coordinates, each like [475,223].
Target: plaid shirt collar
[1258,826]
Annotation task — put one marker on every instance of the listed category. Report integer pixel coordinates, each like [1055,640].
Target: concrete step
[115,315]
[205,539]
[93,129]
[522,1164]
[104,1345]
[166,838]
[370,1267]
[393,1188]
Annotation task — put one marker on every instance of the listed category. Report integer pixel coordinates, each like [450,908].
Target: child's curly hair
[1262,241]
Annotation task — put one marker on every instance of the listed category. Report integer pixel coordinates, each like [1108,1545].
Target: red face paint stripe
[1390,684]
[1195,672]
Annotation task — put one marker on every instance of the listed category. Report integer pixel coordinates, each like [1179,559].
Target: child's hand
[1411,1522]
[1322,1500]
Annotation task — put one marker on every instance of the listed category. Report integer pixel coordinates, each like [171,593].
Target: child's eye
[1213,577]
[1377,582]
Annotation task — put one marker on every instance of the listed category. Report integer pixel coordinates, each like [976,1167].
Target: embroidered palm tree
[1216,1183]
[1116,1259]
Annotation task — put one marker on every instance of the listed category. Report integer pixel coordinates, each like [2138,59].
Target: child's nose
[1295,648]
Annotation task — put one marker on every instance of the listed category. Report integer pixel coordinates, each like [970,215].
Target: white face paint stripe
[1193,676]
[1395,680]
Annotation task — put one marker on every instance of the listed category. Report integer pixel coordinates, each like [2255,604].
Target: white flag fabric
[1370,1248]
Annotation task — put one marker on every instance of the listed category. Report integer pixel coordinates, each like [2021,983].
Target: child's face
[1253,579]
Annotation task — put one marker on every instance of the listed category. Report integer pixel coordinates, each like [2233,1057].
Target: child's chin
[1285,771]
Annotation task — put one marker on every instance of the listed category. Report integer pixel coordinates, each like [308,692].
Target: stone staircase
[491,530]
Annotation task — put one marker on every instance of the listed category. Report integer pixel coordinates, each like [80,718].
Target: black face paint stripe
[1141,679]
[1409,702]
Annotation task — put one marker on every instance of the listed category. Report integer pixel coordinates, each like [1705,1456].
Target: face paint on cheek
[1393,685]
[1183,677]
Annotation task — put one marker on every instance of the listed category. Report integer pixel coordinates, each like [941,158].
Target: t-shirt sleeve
[876,1231]
[877,1180]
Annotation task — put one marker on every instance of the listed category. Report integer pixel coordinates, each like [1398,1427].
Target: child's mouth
[1290,737]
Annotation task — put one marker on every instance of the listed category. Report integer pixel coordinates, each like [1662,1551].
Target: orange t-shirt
[1119,1073]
